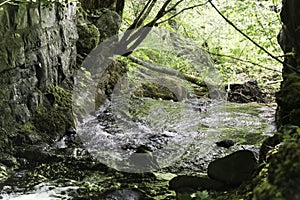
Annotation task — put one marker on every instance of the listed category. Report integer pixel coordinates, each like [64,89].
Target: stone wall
[37,49]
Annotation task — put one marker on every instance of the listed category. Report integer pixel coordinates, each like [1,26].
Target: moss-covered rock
[288,98]
[156,91]
[266,191]
[110,77]
[284,171]
[108,23]
[281,177]
[54,116]
[89,36]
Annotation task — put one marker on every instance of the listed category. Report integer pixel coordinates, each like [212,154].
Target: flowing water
[181,136]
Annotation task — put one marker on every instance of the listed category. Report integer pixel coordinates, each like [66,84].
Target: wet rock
[267,145]
[22,114]
[245,93]
[33,101]
[124,194]
[187,184]
[233,169]
[37,49]
[71,131]
[8,160]
[225,143]
[143,160]
[34,153]
[166,88]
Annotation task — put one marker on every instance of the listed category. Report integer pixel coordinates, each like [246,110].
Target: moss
[28,127]
[156,91]
[54,115]
[288,100]
[279,179]
[88,37]
[284,171]
[63,98]
[266,191]
[109,79]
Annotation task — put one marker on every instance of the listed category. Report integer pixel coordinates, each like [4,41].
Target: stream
[181,136]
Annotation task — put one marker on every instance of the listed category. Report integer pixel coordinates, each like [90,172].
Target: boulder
[233,169]
[225,143]
[187,184]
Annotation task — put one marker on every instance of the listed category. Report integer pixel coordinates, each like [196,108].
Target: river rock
[233,169]
[186,184]
[225,143]
[245,92]
[143,159]
[124,194]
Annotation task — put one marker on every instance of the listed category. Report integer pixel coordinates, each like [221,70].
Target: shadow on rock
[223,174]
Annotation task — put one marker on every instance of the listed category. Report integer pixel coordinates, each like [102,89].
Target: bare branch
[1,4]
[139,35]
[181,11]
[160,13]
[174,6]
[143,14]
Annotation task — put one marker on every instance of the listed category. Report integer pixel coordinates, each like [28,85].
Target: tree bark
[288,98]
[169,71]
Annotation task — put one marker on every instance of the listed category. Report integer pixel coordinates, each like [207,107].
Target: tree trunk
[288,98]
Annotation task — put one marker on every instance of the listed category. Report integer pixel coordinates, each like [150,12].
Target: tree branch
[1,4]
[139,35]
[193,79]
[245,61]
[251,40]
[143,15]
[181,11]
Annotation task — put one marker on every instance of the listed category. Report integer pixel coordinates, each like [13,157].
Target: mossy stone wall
[37,50]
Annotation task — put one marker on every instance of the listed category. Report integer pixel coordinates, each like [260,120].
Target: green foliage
[164,58]
[200,195]
[235,57]
[290,133]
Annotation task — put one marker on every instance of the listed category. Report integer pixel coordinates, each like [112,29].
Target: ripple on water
[182,135]
[42,191]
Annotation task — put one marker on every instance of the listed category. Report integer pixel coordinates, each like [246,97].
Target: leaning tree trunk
[288,98]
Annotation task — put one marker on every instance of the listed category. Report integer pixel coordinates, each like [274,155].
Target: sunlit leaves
[257,19]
